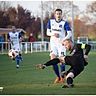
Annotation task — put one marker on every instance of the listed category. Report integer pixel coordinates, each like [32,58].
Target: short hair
[58,10]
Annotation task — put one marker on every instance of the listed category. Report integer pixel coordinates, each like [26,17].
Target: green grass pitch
[29,80]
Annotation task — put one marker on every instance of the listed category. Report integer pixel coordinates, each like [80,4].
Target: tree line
[23,18]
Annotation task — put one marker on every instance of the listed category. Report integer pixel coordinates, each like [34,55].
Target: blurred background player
[58,30]
[15,38]
[77,60]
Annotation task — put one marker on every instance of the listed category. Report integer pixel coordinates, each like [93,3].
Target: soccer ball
[12,54]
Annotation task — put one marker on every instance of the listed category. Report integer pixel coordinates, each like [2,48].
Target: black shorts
[76,63]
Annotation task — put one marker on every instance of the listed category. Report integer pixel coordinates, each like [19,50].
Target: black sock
[69,81]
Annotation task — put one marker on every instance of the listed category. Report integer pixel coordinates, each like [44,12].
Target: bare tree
[4,5]
[66,6]
[90,13]
[92,7]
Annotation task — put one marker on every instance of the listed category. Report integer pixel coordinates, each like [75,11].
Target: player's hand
[86,58]
[62,59]
[56,35]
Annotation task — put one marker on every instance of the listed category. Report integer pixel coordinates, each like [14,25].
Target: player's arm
[48,63]
[68,30]
[20,37]
[9,40]
[51,62]
[8,37]
[87,48]
[49,33]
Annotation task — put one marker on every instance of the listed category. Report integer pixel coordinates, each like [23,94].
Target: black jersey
[77,53]
[76,60]
[78,49]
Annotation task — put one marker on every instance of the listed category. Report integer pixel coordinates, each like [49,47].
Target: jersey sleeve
[52,62]
[67,27]
[19,35]
[49,33]
[8,36]
[48,25]
[68,31]
[87,48]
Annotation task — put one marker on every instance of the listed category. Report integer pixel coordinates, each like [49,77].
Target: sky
[34,6]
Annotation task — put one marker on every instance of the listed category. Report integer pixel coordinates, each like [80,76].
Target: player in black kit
[77,60]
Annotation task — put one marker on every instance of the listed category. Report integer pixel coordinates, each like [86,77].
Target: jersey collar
[58,21]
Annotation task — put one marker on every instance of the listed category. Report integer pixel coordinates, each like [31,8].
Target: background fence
[29,47]
[26,47]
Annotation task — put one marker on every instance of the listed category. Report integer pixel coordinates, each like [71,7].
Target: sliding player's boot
[68,86]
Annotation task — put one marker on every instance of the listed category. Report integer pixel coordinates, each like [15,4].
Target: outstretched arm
[52,62]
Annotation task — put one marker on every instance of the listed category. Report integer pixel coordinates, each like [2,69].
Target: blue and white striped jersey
[62,28]
[14,37]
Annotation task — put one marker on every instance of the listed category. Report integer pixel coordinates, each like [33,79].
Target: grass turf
[29,80]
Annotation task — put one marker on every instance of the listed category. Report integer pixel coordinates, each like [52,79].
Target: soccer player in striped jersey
[15,38]
[58,30]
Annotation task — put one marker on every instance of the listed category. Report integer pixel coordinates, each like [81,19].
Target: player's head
[67,43]
[13,29]
[58,14]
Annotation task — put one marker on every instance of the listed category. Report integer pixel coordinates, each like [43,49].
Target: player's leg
[53,63]
[62,52]
[70,73]
[53,54]
[56,69]
[62,67]
[77,67]
[17,61]
[18,57]
[69,80]
[73,72]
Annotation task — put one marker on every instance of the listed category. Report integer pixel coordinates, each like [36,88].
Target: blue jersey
[61,28]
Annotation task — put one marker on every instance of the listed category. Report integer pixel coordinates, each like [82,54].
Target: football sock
[56,70]
[69,81]
[20,57]
[17,60]
[62,67]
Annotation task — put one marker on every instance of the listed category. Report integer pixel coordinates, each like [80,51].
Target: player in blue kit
[15,38]
[58,30]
